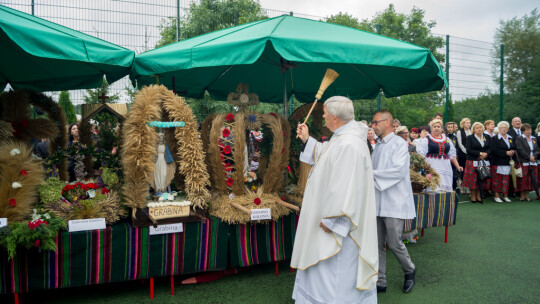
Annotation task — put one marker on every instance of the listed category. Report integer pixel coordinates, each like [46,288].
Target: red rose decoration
[273,114]
[105,190]
[228,167]
[12,202]
[227,149]
[283,198]
[24,123]
[24,173]
[34,224]
[230,182]
[257,201]
[229,117]
[36,244]
[226,132]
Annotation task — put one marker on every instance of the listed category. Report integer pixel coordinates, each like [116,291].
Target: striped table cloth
[433,209]
[118,253]
[253,244]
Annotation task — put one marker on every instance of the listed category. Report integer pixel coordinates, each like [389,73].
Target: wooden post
[16,297]
[446,234]
[277,269]
[172,285]
[422,232]
[290,206]
[241,208]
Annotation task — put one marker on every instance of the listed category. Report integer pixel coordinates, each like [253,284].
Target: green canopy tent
[44,56]
[287,55]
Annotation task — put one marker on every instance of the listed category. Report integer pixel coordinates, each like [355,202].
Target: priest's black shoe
[381,289]
[409,281]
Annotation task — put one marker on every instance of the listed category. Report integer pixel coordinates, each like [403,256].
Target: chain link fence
[136,25]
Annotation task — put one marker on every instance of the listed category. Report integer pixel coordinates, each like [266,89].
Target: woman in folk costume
[440,153]
[527,154]
[502,151]
[335,247]
[477,154]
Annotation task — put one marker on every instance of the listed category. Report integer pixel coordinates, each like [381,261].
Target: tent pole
[285,109]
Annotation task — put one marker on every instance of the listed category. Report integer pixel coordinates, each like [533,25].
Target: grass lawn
[492,256]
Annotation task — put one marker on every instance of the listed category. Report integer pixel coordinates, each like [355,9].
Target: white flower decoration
[35,215]
[47,216]
[16,185]
[14,152]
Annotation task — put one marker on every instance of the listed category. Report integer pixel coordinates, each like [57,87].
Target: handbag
[516,169]
[483,171]
[519,170]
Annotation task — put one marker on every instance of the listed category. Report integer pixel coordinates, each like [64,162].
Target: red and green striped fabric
[118,253]
[433,209]
[253,244]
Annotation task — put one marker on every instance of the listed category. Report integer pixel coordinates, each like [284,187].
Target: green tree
[345,19]
[208,16]
[131,91]
[65,103]
[92,95]
[410,28]
[521,40]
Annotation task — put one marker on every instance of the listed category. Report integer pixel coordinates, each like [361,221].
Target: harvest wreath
[246,170]
[157,103]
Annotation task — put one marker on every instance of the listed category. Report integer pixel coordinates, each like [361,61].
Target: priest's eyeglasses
[375,122]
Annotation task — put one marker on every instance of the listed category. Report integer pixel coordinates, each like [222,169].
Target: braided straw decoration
[139,147]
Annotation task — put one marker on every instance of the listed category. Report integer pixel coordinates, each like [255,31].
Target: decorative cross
[103,98]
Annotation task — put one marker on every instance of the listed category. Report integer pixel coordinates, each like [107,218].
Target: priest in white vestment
[335,248]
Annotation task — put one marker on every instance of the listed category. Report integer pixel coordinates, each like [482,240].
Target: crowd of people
[509,153]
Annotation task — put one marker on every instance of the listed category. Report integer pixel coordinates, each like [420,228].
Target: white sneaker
[498,200]
[506,199]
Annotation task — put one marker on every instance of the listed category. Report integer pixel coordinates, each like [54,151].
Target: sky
[473,19]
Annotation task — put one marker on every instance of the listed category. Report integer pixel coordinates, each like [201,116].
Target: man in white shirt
[393,196]
[335,247]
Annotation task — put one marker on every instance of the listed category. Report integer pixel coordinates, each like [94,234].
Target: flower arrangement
[81,200]
[39,232]
[422,175]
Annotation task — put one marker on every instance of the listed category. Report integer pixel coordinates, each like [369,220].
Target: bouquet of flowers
[39,232]
[81,200]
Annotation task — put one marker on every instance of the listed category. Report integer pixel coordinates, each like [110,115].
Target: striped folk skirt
[524,182]
[470,176]
[499,182]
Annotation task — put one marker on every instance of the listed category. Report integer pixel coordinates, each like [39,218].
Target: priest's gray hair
[503,124]
[340,106]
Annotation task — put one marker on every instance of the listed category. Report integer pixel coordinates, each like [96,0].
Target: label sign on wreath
[261,214]
[86,224]
[3,221]
[165,229]
[168,212]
